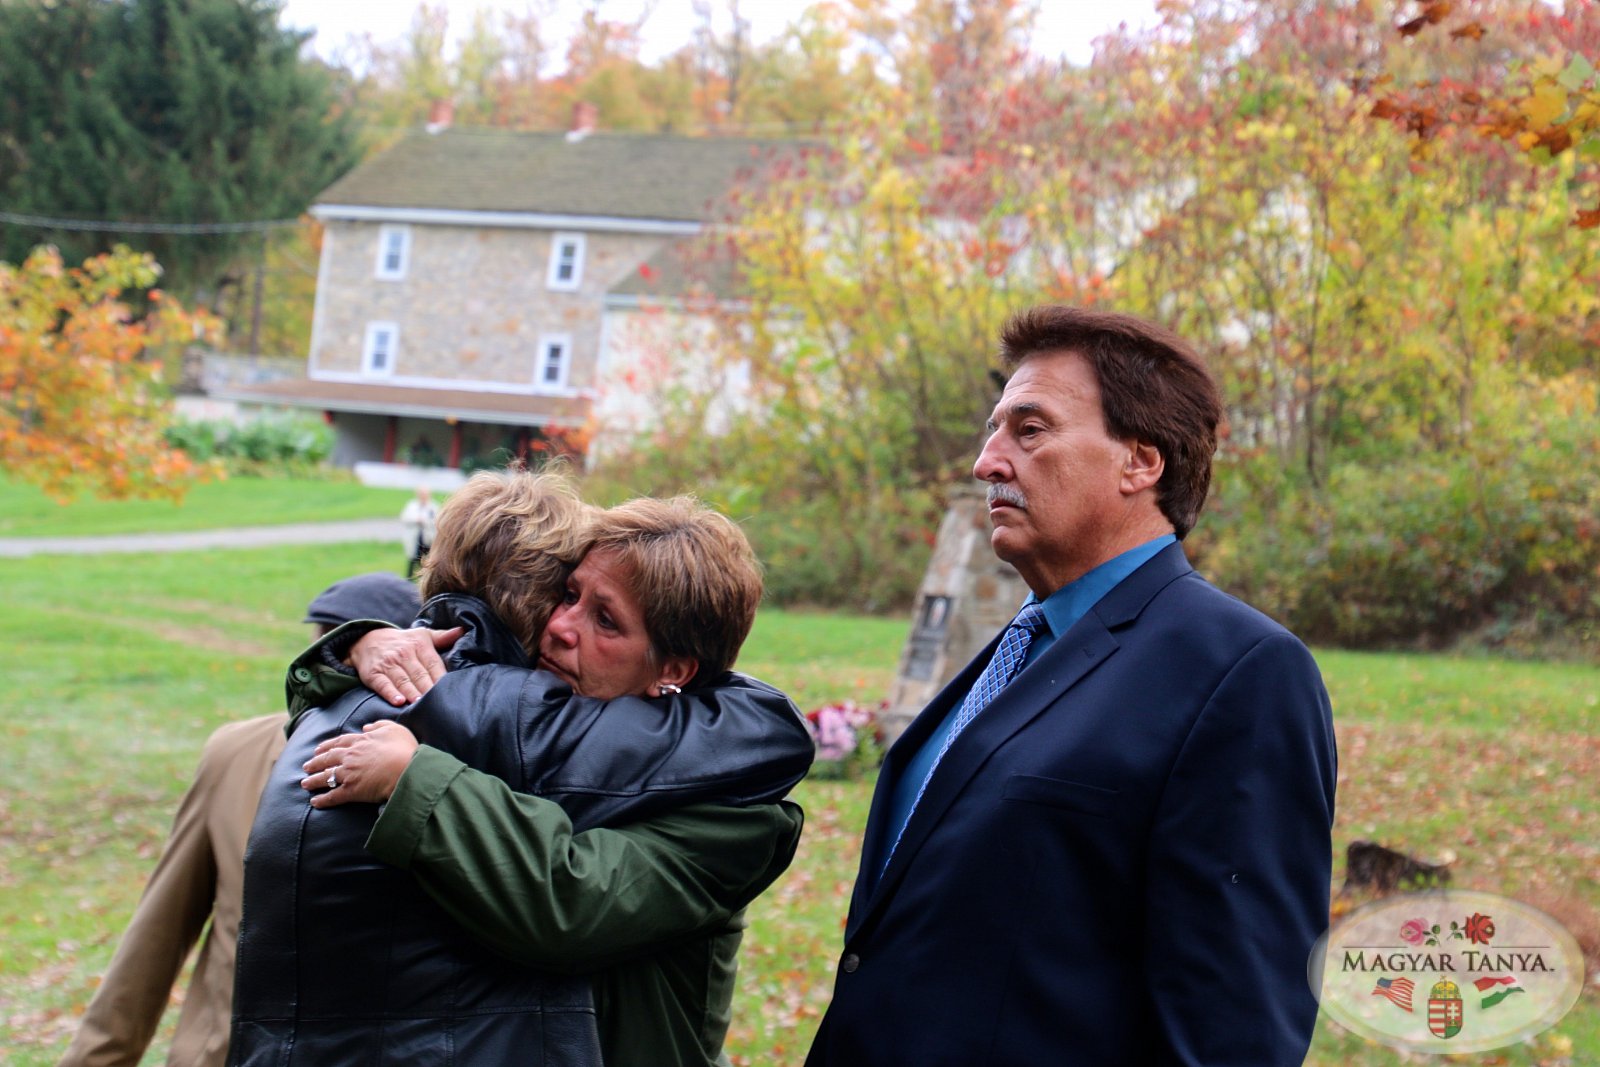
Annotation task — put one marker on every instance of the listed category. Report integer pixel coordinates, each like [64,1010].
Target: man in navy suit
[1107,841]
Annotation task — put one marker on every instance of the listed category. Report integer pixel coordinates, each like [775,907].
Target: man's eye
[569,597]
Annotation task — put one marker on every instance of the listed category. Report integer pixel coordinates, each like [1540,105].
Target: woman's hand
[401,665]
[359,768]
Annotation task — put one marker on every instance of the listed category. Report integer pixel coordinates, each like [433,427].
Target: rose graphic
[1480,928]
[1412,931]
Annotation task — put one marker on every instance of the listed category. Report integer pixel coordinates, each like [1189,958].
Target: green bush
[812,551]
[809,557]
[197,438]
[1497,540]
[293,444]
[813,558]
[1399,544]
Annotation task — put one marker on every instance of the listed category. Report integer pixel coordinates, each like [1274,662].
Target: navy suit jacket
[1125,859]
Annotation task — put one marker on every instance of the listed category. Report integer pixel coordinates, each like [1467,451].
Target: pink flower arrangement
[835,728]
[1412,931]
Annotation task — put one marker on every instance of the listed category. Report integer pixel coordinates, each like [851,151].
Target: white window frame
[370,348]
[402,235]
[558,243]
[546,343]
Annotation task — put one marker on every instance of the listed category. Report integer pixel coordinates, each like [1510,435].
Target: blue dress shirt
[1062,610]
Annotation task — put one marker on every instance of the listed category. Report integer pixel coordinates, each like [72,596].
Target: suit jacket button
[850,963]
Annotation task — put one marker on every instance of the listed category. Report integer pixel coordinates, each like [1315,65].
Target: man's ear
[676,671]
[1143,469]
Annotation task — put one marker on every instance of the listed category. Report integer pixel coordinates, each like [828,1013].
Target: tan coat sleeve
[177,902]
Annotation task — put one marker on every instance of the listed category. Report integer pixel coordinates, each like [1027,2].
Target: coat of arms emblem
[1444,1009]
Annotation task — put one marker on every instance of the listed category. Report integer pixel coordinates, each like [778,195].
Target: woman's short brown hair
[510,539]
[692,571]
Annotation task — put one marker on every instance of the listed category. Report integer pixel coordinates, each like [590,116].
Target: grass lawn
[27,512]
[117,667]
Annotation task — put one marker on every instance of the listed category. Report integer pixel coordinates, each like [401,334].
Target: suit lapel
[1063,665]
[1066,662]
[906,746]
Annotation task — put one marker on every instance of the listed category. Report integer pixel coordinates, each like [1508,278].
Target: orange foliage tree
[514,70]
[1526,79]
[82,398]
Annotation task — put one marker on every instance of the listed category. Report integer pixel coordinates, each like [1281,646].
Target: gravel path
[305,533]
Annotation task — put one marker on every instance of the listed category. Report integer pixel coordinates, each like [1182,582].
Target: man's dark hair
[1153,387]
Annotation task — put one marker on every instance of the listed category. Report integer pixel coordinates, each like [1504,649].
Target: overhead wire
[48,222]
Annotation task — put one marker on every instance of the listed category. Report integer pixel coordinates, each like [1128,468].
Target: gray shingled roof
[622,175]
[680,269]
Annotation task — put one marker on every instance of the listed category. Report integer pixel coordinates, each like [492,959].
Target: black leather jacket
[343,959]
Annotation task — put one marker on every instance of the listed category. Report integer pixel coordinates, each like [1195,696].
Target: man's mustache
[1005,493]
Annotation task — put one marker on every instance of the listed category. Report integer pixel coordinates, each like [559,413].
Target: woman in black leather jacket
[345,959]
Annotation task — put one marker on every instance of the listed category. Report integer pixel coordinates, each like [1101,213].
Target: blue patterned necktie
[1007,661]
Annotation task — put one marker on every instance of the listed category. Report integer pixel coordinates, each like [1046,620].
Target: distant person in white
[418,517]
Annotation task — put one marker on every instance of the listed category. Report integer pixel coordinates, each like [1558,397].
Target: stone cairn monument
[967,596]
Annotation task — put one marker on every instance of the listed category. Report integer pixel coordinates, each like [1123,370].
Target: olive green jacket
[653,910]
[316,678]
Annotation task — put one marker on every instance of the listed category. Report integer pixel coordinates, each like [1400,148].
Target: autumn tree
[722,60]
[82,401]
[492,77]
[510,70]
[808,79]
[1292,231]
[952,57]
[1528,81]
[1368,313]
[874,274]
[272,310]
[161,114]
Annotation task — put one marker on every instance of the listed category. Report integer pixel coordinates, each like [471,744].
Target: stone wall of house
[656,350]
[473,306]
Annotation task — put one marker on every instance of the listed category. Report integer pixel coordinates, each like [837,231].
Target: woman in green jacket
[653,911]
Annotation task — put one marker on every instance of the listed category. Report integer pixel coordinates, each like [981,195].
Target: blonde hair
[511,539]
[693,573]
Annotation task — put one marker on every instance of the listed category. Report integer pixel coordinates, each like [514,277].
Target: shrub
[294,444]
[1499,538]
[198,438]
[863,546]
[814,558]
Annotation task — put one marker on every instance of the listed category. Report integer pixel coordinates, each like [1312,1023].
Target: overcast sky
[1064,26]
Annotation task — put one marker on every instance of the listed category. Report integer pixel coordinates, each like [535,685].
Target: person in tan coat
[200,876]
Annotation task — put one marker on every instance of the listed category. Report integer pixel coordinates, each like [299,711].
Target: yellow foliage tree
[1546,103]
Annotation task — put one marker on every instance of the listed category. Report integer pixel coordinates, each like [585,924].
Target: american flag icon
[1396,989]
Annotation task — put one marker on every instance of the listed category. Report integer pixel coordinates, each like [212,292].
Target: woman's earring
[667,688]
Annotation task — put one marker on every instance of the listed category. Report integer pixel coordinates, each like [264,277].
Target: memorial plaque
[927,637]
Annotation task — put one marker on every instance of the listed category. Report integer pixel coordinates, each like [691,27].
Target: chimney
[441,113]
[585,116]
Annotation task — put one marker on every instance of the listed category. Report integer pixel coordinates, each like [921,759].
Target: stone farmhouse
[475,286]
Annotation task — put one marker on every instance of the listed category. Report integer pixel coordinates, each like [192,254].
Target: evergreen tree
[161,111]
